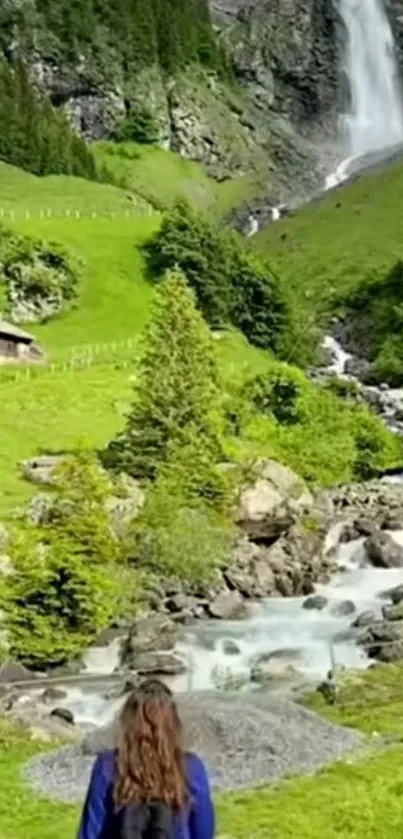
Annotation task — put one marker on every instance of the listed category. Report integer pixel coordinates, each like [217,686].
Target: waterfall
[375,120]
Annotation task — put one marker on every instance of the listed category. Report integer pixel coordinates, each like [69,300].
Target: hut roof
[14,332]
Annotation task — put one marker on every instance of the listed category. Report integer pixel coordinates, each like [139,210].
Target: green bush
[62,589]
[177,389]
[375,313]
[231,286]
[324,439]
[37,274]
[138,125]
[179,540]
[277,394]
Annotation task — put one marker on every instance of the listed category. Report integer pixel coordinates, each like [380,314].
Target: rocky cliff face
[286,59]
[286,54]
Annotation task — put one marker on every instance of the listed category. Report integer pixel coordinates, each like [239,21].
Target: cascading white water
[375,120]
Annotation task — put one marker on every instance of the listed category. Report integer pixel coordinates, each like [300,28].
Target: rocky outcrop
[285,55]
[383,552]
[273,503]
[368,506]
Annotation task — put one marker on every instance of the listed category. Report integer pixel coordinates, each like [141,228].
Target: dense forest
[131,34]
[33,135]
[171,33]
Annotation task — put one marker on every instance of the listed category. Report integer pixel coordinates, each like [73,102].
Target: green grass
[350,800]
[114,296]
[371,701]
[162,177]
[21,192]
[335,243]
[56,411]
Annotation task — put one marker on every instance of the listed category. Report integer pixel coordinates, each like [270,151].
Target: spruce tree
[62,591]
[177,389]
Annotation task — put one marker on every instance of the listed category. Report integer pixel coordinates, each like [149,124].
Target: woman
[148,788]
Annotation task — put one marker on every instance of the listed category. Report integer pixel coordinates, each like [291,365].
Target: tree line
[171,33]
[34,135]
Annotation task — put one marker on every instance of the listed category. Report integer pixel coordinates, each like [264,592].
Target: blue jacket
[100,821]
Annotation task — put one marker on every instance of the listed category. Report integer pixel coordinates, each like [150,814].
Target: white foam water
[339,357]
[375,117]
[311,641]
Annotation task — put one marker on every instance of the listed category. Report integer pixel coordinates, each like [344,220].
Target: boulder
[317,601]
[383,641]
[42,470]
[276,666]
[343,609]
[393,613]
[180,603]
[364,619]
[394,594]
[383,552]
[70,668]
[53,694]
[273,503]
[159,664]
[63,714]
[152,633]
[228,605]
[230,647]
[364,527]
[40,725]
[13,671]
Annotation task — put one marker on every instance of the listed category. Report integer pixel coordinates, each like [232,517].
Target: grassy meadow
[335,243]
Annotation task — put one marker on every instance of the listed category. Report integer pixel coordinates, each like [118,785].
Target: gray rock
[317,601]
[42,470]
[53,694]
[383,641]
[394,594]
[393,613]
[230,647]
[364,619]
[269,507]
[63,714]
[13,671]
[343,609]
[277,666]
[153,633]
[383,552]
[159,663]
[71,668]
[179,603]
[228,604]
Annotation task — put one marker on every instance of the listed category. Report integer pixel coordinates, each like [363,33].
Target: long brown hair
[150,756]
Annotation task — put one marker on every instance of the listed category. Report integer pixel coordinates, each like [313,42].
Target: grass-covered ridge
[333,244]
[162,177]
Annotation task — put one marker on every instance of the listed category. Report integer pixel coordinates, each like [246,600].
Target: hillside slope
[332,245]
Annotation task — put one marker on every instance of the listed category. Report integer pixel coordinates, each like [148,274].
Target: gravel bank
[245,740]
